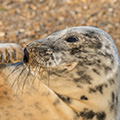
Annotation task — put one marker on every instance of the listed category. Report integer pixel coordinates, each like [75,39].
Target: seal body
[73,74]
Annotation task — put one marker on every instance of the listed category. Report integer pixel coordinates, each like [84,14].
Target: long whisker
[35,73]
[48,71]
[20,83]
[16,68]
[39,77]
[54,60]
[25,79]
[40,71]
[17,78]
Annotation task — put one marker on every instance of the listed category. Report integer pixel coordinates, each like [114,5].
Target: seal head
[81,64]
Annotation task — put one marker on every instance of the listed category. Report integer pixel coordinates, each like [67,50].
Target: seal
[73,74]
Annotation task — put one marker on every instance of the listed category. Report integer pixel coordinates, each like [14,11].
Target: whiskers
[25,79]
[16,68]
[42,70]
[19,76]
[25,75]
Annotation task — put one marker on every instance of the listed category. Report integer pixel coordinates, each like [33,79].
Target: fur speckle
[98,88]
[101,116]
[83,97]
[64,98]
[70,75]
[84,79]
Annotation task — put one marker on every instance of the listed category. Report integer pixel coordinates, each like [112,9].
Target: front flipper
[10,53]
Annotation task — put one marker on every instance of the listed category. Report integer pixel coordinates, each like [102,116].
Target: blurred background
[22,21]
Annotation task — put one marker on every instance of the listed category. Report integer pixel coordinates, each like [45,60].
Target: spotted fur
[72,74]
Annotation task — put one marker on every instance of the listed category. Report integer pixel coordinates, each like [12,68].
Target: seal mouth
[69,66]
[45,70]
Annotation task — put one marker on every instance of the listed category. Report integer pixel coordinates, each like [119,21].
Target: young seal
[73,74]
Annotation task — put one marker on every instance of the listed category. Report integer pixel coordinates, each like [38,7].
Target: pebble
[2,34]
[27,20]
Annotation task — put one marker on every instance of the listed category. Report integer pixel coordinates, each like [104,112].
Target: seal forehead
[78,30]
[83,30]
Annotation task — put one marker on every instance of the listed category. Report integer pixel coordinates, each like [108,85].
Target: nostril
[26,56]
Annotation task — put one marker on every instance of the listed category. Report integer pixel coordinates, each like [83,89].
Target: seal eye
[72,39]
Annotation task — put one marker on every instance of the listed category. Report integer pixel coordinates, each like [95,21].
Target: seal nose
[26,56]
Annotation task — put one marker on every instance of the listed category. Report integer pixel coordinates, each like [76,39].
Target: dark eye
[72,39]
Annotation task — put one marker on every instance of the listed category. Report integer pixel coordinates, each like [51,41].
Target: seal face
[80,69]
[83,66]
